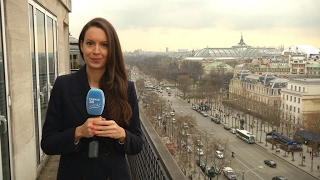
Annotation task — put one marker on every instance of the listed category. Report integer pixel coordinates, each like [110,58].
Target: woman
[68,128]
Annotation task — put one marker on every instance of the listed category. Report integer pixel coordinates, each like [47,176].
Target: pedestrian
[69,129]
[318,168]
[304,158]
[310,153]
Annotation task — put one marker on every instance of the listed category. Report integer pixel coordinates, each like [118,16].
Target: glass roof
[236,53]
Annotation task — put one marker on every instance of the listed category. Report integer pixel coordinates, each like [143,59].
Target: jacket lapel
[79,90]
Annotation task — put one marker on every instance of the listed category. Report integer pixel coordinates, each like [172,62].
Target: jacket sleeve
[133,143]
[55,139]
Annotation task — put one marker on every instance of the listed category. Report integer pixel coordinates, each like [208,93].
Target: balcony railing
[154,161]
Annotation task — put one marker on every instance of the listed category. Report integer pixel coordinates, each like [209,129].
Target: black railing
[154,162]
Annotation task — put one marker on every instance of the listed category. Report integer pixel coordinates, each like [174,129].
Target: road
[248,156]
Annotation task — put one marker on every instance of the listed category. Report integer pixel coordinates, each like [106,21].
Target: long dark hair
[114,81]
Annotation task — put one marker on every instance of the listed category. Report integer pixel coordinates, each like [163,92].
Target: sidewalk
[296,160]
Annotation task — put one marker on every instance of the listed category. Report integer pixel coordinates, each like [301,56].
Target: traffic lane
[258,154]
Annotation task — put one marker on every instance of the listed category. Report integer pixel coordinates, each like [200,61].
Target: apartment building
[300,97]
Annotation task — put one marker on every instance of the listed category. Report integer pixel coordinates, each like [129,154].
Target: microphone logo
[95,102]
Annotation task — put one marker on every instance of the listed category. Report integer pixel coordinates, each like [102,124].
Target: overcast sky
[153,25]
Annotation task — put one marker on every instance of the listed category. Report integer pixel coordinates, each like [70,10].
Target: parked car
[185,125]
[229,173]
[219,154]
[226,127]
[215,120]
[201,164]
[200,152]
[199,143]
[219,147]
[233,130]
[208,169]
[270,163]
[278,178]
[189,150]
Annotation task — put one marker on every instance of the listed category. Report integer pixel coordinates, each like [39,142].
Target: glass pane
[42,61]
[51,57]
[5,156]
[34,79]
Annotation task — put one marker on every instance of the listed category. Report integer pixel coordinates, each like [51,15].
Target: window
[299,100]
[298,110]
[294,99]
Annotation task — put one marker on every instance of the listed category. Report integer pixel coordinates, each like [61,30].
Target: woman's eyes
[89,43]
[104,45]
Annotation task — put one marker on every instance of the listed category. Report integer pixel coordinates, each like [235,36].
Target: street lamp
[259,167]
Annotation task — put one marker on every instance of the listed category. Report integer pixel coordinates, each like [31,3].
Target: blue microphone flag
[95,101]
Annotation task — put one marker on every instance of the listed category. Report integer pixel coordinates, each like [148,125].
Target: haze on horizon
[153,25]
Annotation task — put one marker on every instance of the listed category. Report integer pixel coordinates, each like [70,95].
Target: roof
[289,141]
[307,49]
[308,136]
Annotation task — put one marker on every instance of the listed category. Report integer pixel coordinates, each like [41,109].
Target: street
[248,157]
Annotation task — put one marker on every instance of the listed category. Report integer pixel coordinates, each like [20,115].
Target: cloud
[157,18]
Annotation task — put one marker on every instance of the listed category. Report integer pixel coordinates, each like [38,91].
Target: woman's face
[95,49]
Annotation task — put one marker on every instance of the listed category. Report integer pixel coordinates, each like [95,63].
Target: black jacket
[66,111]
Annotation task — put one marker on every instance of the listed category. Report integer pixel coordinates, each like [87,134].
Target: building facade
[34,50]
[299,98]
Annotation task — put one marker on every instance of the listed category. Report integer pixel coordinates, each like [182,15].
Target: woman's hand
[87,129]
[109,128]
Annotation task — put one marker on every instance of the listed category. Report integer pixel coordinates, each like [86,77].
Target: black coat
[66,111]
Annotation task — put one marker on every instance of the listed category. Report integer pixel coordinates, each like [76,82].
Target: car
[173,120]
[215,120]
[219,147]
[199,143]
[278,178]
[219,154]
[229,173]
[210,171]
[194,107]
[233,130]
[204,114]
[226,127]
[270,163]
[201,164]
[189,150]
[185,125]
[216,170]
[200,152]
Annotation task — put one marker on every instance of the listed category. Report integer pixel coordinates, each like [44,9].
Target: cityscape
[268,104]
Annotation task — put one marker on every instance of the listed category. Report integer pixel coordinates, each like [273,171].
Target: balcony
[154,161]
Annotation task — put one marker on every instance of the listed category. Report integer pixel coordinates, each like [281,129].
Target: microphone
[95,104]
